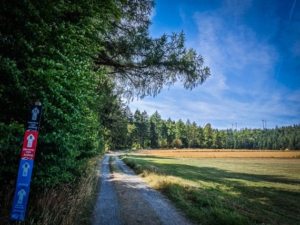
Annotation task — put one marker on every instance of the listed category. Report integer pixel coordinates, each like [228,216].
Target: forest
[145,131]
[79,59]
[83,60]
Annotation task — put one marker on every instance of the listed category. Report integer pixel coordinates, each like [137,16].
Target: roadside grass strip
[66,204]
[226,191]
[113,166]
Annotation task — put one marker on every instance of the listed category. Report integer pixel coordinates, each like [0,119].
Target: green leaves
[46,49]
[142,65]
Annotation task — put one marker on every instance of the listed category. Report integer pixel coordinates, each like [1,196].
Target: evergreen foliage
[79,58]
[168,133]
[46,54]
[143,65]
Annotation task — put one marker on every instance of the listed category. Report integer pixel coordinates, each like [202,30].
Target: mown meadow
[226,190]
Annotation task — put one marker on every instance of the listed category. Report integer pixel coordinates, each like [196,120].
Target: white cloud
[240,61]
[221,113]
[294,97]
[242,88]
[236,8]
[295,48]
[232,48]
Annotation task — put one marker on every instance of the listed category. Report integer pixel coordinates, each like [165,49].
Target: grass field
[226,190]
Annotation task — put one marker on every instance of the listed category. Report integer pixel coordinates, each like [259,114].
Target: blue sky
[253,50]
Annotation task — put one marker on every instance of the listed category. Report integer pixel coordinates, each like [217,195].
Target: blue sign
[25,171]
[26,163]
[22,190]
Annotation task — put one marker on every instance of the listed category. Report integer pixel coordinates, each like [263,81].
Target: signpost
[26,163]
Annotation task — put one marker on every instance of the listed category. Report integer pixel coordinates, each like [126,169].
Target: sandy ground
[124,198]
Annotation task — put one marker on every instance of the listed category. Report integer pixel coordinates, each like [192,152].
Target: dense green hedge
[46,54]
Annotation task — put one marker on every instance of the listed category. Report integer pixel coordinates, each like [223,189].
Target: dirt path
[124,198]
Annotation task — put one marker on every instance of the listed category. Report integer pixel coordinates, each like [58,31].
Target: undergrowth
[67,204]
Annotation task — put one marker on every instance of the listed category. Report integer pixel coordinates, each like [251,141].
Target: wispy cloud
[222,112]
[240,62]
[233,49]
[236,8]
[292,10]
[244,64]
[295,48]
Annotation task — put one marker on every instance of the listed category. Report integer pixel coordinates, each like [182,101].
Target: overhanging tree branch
[141,65]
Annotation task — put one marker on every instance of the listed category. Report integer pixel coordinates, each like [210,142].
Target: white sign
[35,112]
[21,194]
[25,168]
[30,139]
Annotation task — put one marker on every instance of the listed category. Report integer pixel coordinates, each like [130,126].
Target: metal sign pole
[26,163]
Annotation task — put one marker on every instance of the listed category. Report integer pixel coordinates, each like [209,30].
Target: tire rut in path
[107,210]
[136,202]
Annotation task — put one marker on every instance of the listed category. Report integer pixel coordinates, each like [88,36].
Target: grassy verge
[67,204]
[226,191]
[113,166]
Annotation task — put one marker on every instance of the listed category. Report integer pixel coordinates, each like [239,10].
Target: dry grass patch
[67,204]
[222,153]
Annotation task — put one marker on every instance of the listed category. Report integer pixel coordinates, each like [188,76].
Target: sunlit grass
[226,190]
[220,153]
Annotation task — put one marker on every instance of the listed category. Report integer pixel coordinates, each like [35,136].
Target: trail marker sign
[29,145]
[26,163]
[34,118]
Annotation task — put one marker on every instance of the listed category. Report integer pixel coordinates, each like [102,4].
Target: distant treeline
[154,132]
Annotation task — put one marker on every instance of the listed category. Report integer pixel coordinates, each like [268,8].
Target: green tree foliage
[171,134]
[145,129]
[181,132]
[222,139]
[138,126]
[193,142]
[189,135]
[188,129]
[115,121]
[208,138]
[46,54]
[142,65]
[216,140]
[78,58]
[200,137]
[128,114]
[155,130]
[141,122]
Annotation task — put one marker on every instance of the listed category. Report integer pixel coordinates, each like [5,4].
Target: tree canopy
[46,54]
[160,133]
[80,58]
[142,65]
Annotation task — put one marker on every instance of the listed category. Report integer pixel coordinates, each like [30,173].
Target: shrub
[177,143]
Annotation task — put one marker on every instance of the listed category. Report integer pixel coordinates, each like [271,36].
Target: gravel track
[107,210]
[124,198]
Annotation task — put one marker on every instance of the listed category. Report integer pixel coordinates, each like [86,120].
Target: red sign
[26,164]
[29,145]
